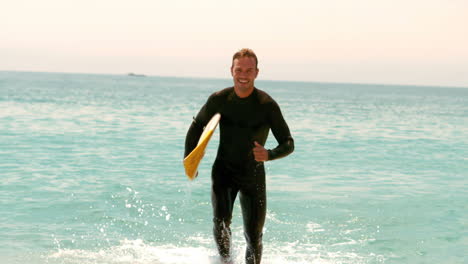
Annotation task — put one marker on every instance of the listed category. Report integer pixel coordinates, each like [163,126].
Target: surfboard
[192,161]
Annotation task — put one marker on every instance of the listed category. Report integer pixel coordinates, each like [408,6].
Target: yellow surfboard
[192,161]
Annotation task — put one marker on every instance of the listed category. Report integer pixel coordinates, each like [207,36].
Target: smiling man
[247,115]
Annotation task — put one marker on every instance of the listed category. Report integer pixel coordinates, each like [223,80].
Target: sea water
[91,172]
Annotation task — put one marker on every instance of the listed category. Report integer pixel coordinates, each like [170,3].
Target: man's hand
[260,153]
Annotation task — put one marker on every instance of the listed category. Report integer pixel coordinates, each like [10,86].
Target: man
[247,115]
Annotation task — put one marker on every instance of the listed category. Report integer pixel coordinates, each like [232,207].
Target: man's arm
[282,134]
[193,134]
[282,150]
[198,124]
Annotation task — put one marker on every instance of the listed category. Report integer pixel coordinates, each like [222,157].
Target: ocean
[91,172]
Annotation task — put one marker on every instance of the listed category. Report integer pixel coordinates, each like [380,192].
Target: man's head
[245,53]
[244,70]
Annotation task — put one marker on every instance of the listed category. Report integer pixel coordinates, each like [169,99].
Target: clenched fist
[260,153]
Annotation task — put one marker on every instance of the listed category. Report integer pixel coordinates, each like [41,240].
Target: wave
[138,251]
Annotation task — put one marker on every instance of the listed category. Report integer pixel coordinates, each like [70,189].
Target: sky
[415,42]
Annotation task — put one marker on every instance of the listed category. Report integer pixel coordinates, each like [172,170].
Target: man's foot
[226,260]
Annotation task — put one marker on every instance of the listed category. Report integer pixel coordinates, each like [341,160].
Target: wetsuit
[243,121]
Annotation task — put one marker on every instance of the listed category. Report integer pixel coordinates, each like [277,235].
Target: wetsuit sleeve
[282,134]
[198,124]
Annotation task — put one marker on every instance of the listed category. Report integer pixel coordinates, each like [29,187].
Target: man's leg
[223,196]
[253,203]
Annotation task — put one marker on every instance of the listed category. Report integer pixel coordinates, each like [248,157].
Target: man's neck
[241,93]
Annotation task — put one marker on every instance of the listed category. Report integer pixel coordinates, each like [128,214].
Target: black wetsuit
[243,121]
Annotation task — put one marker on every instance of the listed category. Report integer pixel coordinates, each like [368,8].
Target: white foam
[139,252]
[134,251]
[314,227]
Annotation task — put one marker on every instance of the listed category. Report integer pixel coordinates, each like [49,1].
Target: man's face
[244,71]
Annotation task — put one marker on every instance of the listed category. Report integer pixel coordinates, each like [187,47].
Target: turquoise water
[91,169]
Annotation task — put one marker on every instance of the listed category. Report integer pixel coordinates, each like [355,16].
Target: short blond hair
[245,53]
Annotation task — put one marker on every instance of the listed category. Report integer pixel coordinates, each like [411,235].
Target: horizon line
[261,80]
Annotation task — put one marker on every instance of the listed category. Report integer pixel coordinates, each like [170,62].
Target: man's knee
[254,239]
[221,224]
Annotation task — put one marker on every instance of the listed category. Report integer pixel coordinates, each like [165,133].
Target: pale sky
[421,42]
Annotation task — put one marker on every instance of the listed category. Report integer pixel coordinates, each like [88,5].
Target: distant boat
[136,75]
